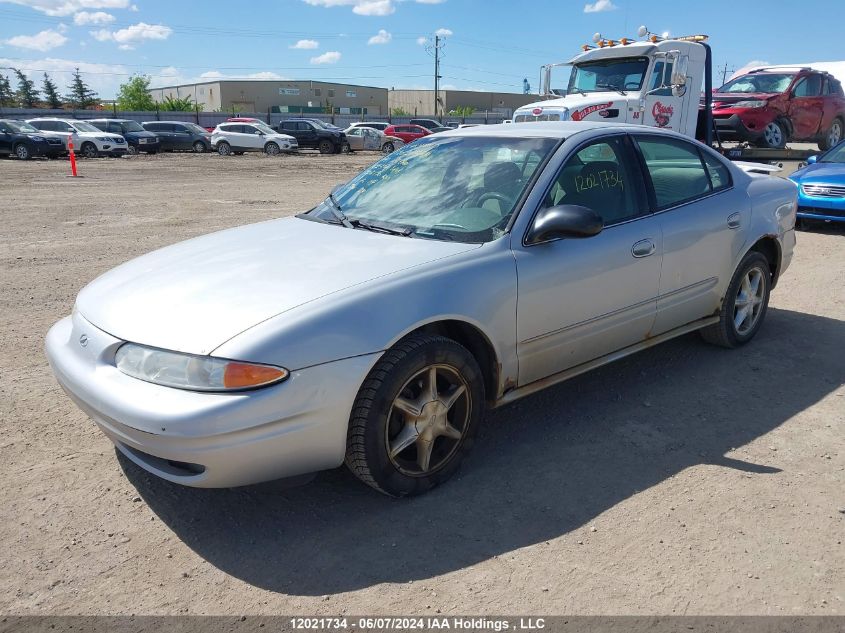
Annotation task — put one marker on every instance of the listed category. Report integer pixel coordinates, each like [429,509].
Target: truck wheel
[22,151]
[833,136]
[745,304]
[415,416]
[326,147]
[774,135]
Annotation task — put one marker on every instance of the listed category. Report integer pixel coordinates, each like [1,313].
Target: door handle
[643,248]
[734,221]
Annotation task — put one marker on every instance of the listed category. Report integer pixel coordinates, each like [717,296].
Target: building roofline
[280,81]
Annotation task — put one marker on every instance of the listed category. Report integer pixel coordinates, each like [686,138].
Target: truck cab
[655,82]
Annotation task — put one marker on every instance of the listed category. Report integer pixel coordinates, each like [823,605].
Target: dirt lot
[685,479]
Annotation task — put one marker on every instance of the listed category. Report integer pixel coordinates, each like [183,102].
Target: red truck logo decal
[580,115]
[662,114]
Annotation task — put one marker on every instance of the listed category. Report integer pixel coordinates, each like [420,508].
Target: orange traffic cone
[72,157]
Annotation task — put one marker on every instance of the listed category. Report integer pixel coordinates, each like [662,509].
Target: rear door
[164,131]
[182,137]
[806,106]
[5,139]
[703,220]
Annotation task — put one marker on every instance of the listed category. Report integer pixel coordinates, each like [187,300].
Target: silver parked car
[464,271]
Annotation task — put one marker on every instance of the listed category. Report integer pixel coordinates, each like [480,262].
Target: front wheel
[415,416]
[326,147]
[89,150]
[22,152]
[224,149]
[272,149]
[745,304]
[774,135]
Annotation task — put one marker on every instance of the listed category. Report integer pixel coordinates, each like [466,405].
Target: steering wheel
[493,195]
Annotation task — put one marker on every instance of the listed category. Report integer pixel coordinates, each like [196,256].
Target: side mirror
[679,71]
[812,160]
[566,220]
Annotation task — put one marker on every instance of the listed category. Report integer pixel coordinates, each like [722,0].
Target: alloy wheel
[748,304]
[22,152]
[773,135]
[427,420]
[835,134]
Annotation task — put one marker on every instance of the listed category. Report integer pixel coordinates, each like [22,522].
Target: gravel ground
[683,480]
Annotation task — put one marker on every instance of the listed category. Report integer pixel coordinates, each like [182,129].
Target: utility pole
[436,73]
[725,72]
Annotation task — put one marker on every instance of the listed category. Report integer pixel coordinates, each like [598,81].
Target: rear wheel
[224,149]
[415,416]
[326,147]
[833,136]
[745,304]
[272,149]
[774,135]
[199,147]
[22,152]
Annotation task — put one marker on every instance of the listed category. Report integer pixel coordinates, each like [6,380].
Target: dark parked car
[178,135]
[314,134]
[428,124]
[138,139]
[24,141]
[771,106]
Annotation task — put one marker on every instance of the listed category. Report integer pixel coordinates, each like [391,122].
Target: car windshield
[608,74]
[836,155]
[263,127]
[193,127]
[83,126]
[462,188]
[769,83]
[21,127]
[132,126]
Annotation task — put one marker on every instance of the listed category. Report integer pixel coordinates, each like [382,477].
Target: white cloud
[216,74]
[68,7]
[103,78]
[131,35]
[430,1]
[443,32]
[382,37]
[600,5]
[306,44]
[422,41]
[366,7]
[43,41]
[330,57]
[755,63]
[86,18]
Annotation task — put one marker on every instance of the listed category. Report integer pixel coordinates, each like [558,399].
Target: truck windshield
[625,73]
[770,83]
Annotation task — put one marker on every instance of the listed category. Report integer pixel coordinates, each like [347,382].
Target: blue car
[821,186]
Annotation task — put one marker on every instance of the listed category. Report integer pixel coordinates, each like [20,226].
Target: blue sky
[490,44]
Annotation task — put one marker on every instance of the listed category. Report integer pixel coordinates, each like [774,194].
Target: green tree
[7,98]
[26,94]
[134,95]
[463,111]
[180,104]
[400,112]
[51,93]
[81,95]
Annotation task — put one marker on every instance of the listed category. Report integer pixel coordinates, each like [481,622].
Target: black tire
[89,150]
[726,333]
[272,149]
[224,149]
[22,151]
[774,135]
[375,422]
[833,135]
[388,148]
[200,148]
[131,150]
[326,147]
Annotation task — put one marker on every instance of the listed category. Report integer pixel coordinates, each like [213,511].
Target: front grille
[836,213]
[824,191]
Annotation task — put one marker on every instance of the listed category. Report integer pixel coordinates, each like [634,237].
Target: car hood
[109,135]
[832,173]
[194,296]
[727,98]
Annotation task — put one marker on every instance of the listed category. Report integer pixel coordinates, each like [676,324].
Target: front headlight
[753,103]
[195,373]
[104,139]
[38,138]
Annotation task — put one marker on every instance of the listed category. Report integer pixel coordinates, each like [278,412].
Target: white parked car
[375,125]
[237,138]
[88,140]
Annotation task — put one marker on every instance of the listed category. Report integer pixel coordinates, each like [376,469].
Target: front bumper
[825,209]
[208,440]
[733,127]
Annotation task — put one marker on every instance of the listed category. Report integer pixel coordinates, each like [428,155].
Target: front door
[660,107]
[582,298]
[806,106]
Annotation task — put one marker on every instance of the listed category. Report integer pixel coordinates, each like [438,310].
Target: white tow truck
[656,81]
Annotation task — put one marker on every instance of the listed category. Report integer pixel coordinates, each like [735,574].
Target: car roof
[179,122]
[549,129]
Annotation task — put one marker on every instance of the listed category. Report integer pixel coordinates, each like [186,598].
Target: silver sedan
[462,272]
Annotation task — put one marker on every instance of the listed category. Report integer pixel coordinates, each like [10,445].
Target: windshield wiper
[338,212]
[583,94]
[378,228]
[616,88]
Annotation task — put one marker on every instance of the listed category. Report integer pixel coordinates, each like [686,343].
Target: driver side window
[597,176]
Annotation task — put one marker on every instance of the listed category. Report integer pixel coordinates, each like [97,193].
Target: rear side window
[720,177]
[678,173]
[152,127]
